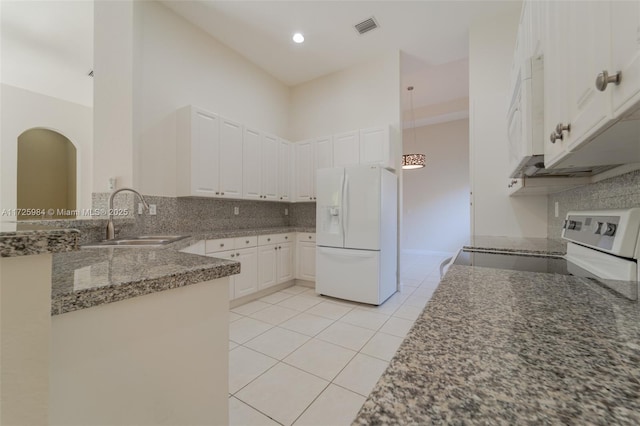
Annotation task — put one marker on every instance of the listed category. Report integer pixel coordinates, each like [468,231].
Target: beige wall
[365,95]
[167,63]
[23,110]
[46,172]
[436,197]
[491,45]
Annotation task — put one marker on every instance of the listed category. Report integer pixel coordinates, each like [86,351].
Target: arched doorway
[46,174]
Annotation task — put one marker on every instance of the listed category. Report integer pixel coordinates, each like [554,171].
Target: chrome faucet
[111,232]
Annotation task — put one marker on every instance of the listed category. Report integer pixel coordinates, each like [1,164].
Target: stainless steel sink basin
[140,241]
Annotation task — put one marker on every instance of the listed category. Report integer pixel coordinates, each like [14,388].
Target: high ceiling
[430,33]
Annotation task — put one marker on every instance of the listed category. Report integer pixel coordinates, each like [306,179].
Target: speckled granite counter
[94,276]
[18,239]
[520,245]
[507,347]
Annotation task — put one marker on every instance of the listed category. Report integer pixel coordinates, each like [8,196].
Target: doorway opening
[47,173]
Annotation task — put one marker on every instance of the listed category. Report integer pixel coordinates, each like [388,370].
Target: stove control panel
[612,231]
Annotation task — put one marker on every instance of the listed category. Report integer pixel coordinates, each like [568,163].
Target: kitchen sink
[140,241]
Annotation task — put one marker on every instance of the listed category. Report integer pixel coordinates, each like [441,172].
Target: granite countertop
[519,245]
[95,276]
[509,347]
[17,239]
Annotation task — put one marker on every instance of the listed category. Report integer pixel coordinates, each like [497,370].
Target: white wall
[178,65]
[23,110]
[491,44]
[436,197]
[364,95]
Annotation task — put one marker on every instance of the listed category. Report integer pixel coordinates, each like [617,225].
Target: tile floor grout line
[264,414]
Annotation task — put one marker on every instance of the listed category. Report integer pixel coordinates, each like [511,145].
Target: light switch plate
[557,208]
[236,210]
[152,209]
[286,212]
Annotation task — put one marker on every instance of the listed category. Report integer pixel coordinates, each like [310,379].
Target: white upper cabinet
[252,164]
[323,148]
[592,83]
[269,154]
[304,170]
[346,149]
[205,140]
[625,54]
[555,81]
[587,54]
[284,170]
[231,160]
[376,148]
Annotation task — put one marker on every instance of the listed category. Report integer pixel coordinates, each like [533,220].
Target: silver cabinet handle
[246,242]
[603,79]
[286,237]
[554,137]
[233,255]
[238,254]
[309,236]
[268,239]
[562,127]
[221,245]
[513,182]
[217,192]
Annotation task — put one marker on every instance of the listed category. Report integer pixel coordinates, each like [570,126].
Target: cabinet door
[285,262]
[304,161]
[269,162]
[587,55]
[346,149]
[306,261]
[625,54]
[323,157]
[246,282]
[205,155]
[284,160]
[251,145]
[230,158]
[555,81]
[374,146]
[267,265]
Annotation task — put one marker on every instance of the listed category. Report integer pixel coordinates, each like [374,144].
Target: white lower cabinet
[266,260]
[306,256]
[275,259]
[267,265]
[246,282]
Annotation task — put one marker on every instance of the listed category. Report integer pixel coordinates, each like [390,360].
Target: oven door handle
[444,266]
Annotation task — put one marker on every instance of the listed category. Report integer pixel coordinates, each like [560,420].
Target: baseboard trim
[260,293]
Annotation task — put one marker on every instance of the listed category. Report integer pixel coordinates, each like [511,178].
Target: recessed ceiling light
[298,38]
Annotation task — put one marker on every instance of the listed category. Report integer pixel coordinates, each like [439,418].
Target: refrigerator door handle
[345,199]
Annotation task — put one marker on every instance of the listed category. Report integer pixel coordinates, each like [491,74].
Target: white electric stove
[603,246]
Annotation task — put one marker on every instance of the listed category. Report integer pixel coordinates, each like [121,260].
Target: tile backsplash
[614,193]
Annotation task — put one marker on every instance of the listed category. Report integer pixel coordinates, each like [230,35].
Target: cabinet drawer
[309,237]
[221,244]
[242,242]
[276,238]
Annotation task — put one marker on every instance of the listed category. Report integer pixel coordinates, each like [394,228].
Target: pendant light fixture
[413,161]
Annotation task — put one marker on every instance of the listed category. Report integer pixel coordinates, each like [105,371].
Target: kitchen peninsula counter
[95,276]
[17,239]
[541,246]
[507,347]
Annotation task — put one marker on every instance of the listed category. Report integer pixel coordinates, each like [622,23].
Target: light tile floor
[300,358]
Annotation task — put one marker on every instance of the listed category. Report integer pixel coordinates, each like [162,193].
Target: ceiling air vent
[366,25]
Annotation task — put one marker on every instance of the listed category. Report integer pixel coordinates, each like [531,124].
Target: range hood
[534,167]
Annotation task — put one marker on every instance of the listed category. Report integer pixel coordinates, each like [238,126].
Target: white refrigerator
[356,233]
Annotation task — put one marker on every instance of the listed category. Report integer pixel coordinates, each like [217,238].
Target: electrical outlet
[236,211]
[286,212]
[557,209]
[152,209]
[140,208]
